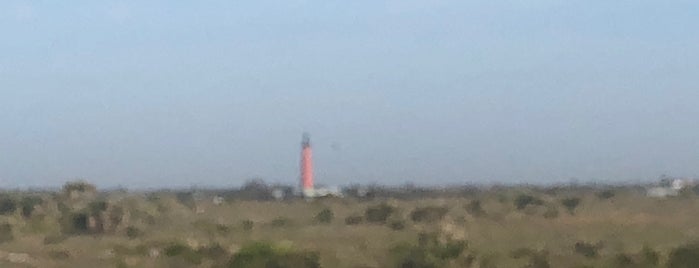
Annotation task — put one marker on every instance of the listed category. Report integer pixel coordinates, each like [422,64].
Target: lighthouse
[307,167]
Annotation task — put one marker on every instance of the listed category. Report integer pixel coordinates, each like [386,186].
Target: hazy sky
[180,93]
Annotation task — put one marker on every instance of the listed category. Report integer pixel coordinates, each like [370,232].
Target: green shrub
[78,186]
[263,255]
[280,222]
[686,256]
[649,256]
[213,251]
[429,252]
[54,239]
[248,225]
[622,260]
[397,225]
[354,220]
[586,249]
[75,223]
[524,200]
[7,206]
[475,209]
[325,216]
[28,203]
[428,214]
[6,233]
[570,204]
[378,213]
[184,252]
[133,232]
[606,194]
[186,199]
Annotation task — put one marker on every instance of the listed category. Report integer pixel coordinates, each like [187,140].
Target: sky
[214,93]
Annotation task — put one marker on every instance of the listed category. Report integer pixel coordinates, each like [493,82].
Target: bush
[429,252]
[133,232]
[354,220]
[686,256]
[8,206]
[280,222]
[325,216]
[186,199]
[475,209]
[586,249]
[6,233]
[397,225]
[524,200]
[378,213]
[75,223]
[570,204]
[264,255]
[248,225]
[28,203]
[79,187]
[184,252]
[606,194]
[429,214]
[54,239]
[537,259]
[213,251]
[649,256]
[622,260]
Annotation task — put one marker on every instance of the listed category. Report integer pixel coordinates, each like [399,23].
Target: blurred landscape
[260,225]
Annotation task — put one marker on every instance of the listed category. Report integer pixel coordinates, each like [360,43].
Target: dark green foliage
[378,213]
[78,186]
[397,225]
[354,220]
[7,205]
[586,249]
[570,204]
[97,207]
[28,203]
[428,214]
[75,223]
[265,255]
[186,199]
[6,233]
[524,200]
[280,222]
[649,256]
[325,216]
[686,256]
[475,209]
[213,251]
[428,253]
[606,194]
[248,224]
[54,239]
[133,232]
[537,259]
[183,251]
[622,260]
[59,255]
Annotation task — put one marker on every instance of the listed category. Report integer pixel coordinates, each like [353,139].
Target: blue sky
[180,93]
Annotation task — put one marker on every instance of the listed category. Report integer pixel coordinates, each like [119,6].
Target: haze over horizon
[164,94]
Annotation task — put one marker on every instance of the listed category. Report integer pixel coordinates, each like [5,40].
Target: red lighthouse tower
[306,166]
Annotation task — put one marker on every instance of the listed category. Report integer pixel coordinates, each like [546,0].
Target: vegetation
[80,226]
